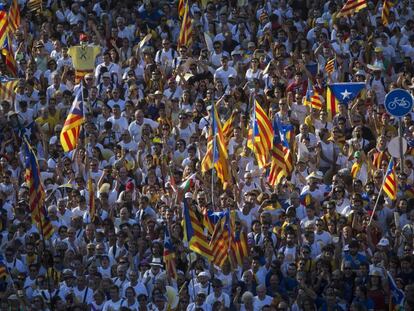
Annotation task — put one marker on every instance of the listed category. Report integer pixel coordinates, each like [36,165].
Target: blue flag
[347,91]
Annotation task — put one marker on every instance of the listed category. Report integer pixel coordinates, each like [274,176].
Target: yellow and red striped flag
[220,241]
[14,16]
[7,87]
[356,167]
[278,167]
[330,66]
[228,127]
[385,14]
[194,232]
[8,56]
[36,193]
[4,27]
[181,8]
[216,155]
[169,255]
[186,31]
[332,104]
[34,6]
[260,137]
[390,181]
[72,126]
[351,7]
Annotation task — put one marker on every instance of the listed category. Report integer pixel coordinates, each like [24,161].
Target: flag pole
[379,194]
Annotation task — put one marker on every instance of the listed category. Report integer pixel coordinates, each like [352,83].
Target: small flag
[220,241]
[390,182]
[330,66]
[169,255]
[186,31]
[356,167]
[397,295]
[3,269]
[312,98]
[72,126]
[351,7]
[4,26]
[14,16]
[34,6]
[385,14]
[260,137]
[36,193]
[7,87]
[347,91]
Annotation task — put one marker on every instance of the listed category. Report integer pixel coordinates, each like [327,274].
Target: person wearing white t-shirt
[222,73]
[119,123]
[116,100]
[261,299]
[135,128]
[321,236]
[217,294]
[115,302]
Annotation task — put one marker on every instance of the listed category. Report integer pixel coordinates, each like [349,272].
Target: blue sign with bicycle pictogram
[398,102]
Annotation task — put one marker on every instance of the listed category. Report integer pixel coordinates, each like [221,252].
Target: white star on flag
[345,94]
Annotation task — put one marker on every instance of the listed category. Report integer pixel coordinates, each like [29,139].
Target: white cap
[383,242]
[188,195]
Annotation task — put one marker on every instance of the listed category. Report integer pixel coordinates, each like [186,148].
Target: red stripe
[68,141]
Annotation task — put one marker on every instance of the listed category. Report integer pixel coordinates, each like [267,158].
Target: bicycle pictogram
[399,102]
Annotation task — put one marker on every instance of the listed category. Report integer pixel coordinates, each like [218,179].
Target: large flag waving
[194,232]
[260,137]
[278,165]
[347,91]
[36,193]
[390,181]
[72,126]
[351,7]
[216,155]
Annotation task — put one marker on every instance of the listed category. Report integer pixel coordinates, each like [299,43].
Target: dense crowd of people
[314,241]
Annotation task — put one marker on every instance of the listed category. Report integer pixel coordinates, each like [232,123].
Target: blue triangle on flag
[346,92]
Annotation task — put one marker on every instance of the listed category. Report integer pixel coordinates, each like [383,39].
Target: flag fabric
[72,126]
[356,167]
[8,56]
[3,269]
[378,158]
[330,66]
[260,137]
[332,104]
[278,163]
[351,7]
[4,26]
[14,16]
[312,97]
[92,207]
[216,155]
[390,181]
[186,31]
[306,199]
[239,247]
[7,87]
[194,232]
[347,91]
[397,295]
[286,132]
[169,255]
[385,14]
[228,128]
[220,241]
[36,193]
[188,183]
[34,5]
[211,218]
[181,8]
